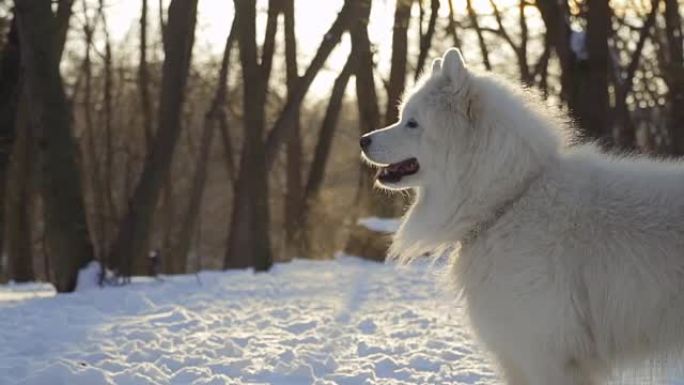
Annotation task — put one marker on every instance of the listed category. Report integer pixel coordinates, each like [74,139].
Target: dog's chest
[512,293]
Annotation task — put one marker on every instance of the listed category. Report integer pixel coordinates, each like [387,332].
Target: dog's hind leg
[547,372]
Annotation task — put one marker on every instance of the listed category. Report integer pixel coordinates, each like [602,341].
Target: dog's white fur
[580,266]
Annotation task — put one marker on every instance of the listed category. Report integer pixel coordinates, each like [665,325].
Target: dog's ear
[454,67]
[436,67]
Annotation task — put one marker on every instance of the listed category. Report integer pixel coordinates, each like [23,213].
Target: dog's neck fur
[480,228]
[503,164]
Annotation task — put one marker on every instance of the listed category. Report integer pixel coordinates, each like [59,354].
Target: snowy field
[345,321]
[337,322]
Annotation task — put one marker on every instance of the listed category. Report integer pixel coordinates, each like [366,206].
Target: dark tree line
[108,159]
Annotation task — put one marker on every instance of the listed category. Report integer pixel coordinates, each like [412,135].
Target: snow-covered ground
[345,321]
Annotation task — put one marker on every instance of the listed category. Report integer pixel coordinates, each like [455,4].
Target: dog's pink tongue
[394,167]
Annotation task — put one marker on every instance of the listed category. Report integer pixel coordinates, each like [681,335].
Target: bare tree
[593,108]
[128,251]
[108,123]
[625,136]
[63,16]
[10,87]
[366,94]
[585,66]
[525,75]
[283,126]
[368,201]
[327,131]
[397,79]
[183,239]
[674,74]
[248,243]
[19,196]
[294,188]
[67,232]
[96,180]
[144,79]
[520,50]
[14,214]
[472,15]
[426,38]
[451,27]
[248,240]
[319,163]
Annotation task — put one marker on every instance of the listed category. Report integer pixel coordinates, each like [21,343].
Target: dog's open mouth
[395,171]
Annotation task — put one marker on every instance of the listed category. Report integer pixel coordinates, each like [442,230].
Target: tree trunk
[525,76]
[558,33]
[227,145]
[294,189]
[10,86]
[110,205]
[182,245]
[20,193]
[97,188]
[128,250]
[368,201]
[67,232]
[221,117]
[367,102]
[584,80]
[674,75]
[426,39]
[167,218]
[397,80]
[249,242]
[179,252]
[144,79]
[63,16]
[322,151]
[326,135]
[595,112]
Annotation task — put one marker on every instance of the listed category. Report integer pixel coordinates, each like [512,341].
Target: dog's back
[595,253]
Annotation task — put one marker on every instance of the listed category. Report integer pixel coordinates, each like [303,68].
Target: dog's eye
[412,123]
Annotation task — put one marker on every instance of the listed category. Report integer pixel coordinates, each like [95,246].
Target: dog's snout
[365,141]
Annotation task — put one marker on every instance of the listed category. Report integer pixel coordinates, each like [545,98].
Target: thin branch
[633,65]
[524,37]
[322,151]
[283,126]
[480,38]
[502,30]
[274,10]
[451,27]
[426,39]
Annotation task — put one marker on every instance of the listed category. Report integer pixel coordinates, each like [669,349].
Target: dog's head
[434,119]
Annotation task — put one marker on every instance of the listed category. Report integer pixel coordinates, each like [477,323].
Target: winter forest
[176,136]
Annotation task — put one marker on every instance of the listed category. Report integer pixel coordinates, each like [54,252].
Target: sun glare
[313,18]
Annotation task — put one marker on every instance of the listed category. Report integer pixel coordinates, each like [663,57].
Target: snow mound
[381,225]
[89,276]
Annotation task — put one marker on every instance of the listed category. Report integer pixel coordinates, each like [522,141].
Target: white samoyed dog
[570,261]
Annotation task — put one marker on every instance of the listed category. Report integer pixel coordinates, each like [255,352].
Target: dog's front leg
[511,372]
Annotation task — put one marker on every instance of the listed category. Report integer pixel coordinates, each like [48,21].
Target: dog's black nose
[365,141]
